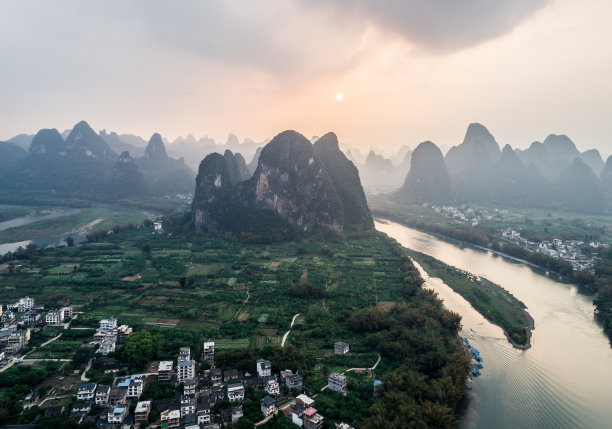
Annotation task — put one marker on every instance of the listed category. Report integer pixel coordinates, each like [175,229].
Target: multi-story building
[107,346]
[341,348]
[117,415]
[30,316]
[117,397]
[337,382]
[102,393]
[264,368]
[294,381]
[141,413]
[272,387]
[185,370]
[87,391]
[54,317]
[188,405]
[312,419]
[25,304]
[268,406]
[170,419]
[135,388]
[19,339]
[108,324]
[235,392]
[164,370]
[209,350]
[185,353]
[189,386]
[67,312]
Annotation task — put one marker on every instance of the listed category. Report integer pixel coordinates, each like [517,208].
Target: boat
[478,365]
[475,372]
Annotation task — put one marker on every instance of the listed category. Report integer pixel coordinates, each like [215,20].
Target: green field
[87,219]
[489,299]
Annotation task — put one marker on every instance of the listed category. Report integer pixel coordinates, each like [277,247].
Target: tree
[69,241]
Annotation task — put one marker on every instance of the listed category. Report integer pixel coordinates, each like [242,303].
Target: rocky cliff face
[428,180]
[156,151]
[345,178]
[291,192]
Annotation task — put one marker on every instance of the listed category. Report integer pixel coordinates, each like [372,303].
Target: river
[563,381]
[41,241]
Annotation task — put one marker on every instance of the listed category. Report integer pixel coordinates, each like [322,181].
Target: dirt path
[240,309]
[287,333]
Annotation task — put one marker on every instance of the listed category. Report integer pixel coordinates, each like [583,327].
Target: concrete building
[108,324]
[141,413]
[164,370]
[264,368]
[268,407]
[102,393]
[272,387]
[170,419]
[341,348]
[209,350]
[235,392]
[185,370]
[117,415]
[312,419]
[87,392]
[337,382]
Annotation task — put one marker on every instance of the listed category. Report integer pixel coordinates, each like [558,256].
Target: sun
[339,96]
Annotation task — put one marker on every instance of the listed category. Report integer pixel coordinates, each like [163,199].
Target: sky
[409,70]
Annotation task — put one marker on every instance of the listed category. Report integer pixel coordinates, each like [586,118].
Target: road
[373,367]
[240,309]
[84,375]
[287,333]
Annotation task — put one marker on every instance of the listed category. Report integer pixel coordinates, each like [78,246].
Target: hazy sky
[409,70]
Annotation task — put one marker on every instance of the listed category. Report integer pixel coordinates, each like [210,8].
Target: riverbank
[492,301]
[388,216]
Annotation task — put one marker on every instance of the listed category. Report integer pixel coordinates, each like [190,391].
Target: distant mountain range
[297,188]
[84,165]
[550,174]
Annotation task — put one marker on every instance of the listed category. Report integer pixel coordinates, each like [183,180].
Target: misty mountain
[379,174]
[253,164]
[593,159]
[236,167]
[606,178]
[428,180]
[10,154]
[22,140]
[163,173]
[578,189]
[117,143]
[478,146]
[126,180]
[292,191]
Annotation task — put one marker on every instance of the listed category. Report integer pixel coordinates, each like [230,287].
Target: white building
[272,387]
[25,304]
[108,324]
[107,346]
[135,388]
[235,392]
[264,368]
[54,317]
[170,419]
[268,406]
[87,392]
[117,415]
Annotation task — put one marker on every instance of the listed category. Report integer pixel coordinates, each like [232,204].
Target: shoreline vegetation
[493,302]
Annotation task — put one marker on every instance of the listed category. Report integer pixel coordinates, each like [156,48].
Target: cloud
[437,25]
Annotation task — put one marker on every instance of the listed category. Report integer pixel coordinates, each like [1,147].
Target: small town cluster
[203,399]
[464,214]
[19,319]
[568,250]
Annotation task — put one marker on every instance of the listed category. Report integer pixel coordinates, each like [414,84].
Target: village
[567,250]
[201,398]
